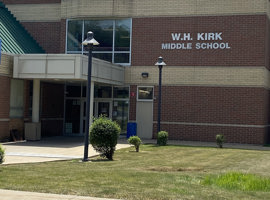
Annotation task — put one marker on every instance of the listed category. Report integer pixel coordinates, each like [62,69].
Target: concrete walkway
[49,149]
[20,195]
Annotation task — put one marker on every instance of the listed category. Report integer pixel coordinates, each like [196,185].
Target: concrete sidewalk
[20,195]
[50,149]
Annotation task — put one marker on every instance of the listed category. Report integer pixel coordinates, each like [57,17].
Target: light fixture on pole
[160,64]
[89,42]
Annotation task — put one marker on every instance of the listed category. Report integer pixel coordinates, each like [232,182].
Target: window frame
[113,52]
[145,87]
[16,101]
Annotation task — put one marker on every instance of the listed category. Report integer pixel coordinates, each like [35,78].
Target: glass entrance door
[83,115]
[75,117]
[72,116]
[120,114]
[104,109]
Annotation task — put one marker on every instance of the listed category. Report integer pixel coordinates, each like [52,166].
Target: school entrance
[109,101]
[57,92]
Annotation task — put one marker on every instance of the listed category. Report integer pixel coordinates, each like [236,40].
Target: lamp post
[89,42]
[160,64]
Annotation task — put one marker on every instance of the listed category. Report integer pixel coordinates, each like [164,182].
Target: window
[103,91]
[121,92]
[74,36]
[114,37]
[16,98]
[73,91]
[120,106]
[120,113]
[103,33]
[145,93]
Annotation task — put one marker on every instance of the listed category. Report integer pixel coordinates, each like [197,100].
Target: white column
[36,100]
[92,103]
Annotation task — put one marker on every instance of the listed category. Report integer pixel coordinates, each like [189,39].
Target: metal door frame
[110,101]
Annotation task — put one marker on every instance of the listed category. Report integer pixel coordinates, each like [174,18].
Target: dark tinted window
[74,35]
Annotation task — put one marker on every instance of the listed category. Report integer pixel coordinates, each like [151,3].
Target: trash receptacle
[131,129]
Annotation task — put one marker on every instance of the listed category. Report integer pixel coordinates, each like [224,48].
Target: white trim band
[4,120]
[212,124]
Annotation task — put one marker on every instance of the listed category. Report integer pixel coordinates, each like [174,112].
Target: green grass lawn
[170,172]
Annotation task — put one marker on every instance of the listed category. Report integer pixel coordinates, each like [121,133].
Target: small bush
[2,154]
[103,136]
[162,138]
[136,141]
[220,140]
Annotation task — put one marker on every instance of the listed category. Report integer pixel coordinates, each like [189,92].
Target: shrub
[103,136]
[220,140]
[162,138]
[2,154]
[136,141]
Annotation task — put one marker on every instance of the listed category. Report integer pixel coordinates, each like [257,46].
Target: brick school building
[216,79]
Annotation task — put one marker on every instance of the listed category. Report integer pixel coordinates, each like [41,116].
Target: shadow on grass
[244,148]
[101,160]
[133,151]
[171,169]
[175,145]
[225,146]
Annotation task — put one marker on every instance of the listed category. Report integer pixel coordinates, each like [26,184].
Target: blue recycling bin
[131,129]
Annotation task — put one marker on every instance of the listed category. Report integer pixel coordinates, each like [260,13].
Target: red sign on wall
[132,94]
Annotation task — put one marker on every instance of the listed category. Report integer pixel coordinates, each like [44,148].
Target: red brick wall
[30,1]
[132,102]
[241,114]
[47,34]
[52,100]
[246,35]
[9,124]
[245,135]
[52,111]
[27,98]
[5,96]
[222,105]
[63,36]
[267,50]
[4,106]
[4,130]
[199,113]
[18,124]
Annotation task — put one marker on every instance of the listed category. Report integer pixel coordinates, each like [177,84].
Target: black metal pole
[159,97]
[88,97]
